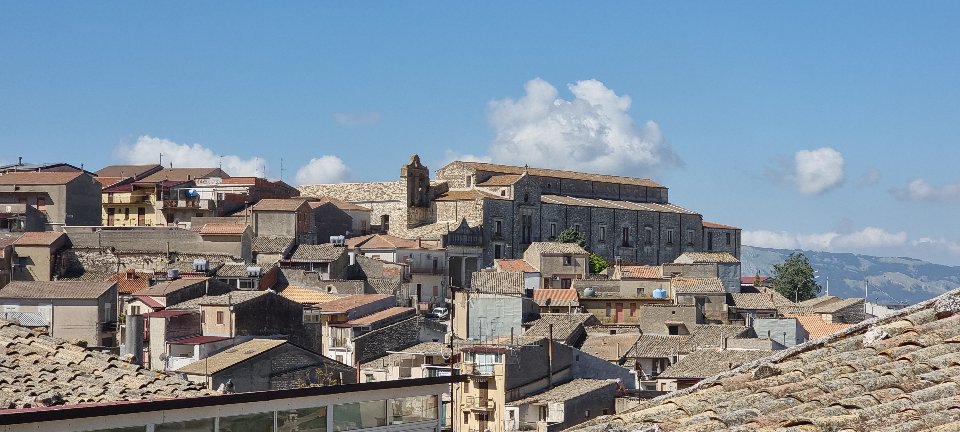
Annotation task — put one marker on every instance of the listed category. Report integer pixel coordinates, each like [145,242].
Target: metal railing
[478,403]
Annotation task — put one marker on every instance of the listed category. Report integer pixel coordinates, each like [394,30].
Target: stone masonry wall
[394,337]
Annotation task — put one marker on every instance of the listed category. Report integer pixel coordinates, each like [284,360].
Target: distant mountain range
[889,280]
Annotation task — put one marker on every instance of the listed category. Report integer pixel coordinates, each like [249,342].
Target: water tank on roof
[659,293]
[173,273]
[192,193]
[338,240]
[200,265]
[589,292]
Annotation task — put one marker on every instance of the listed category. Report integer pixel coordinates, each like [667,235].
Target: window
[626,236]
[670,236]
[710,241]
[603,233]
[576,227]
[41,203]
[220,317]
[311,315]
[497,251]
[586,414]
[134,310]
[553,229]
[503,192]
[728,239]
[247,422]
[466,417]
[468,181]
[498,227]
[673,330]
[542,413]
[126,213]
[567,260]
[189,425]
[304,419]
[246,284]
[689,236]
[526,228]
[633,309]
[608,309]
[648,234]
[360,415]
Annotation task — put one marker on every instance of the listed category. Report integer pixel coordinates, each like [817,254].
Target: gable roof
[279,204]
[39,178]
[467,195]
[55,289]
[317,253]
[706,258]
[710,285]
[828,304]
[500,180]
[556,248]
[715,225]
[309,296]
[267,245]
[561,174]
[494,282]
[232,298]
[169,287]
[39,370]
[641,272]
[658,346]
[708,362]
[568,329]
[710,335]
[563,297]
[573,389]
[610,347]
[345,304]
[898,372]
[130,281]
[231,356]
[340,204]
[514,265]
[125,171]
[615,204]
[816,327]
[38,238]
[386,242]
[183,174]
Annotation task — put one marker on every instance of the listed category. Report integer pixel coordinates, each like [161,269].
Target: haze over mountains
[890,280]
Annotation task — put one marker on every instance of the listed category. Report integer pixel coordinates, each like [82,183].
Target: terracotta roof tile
[223,229]
[317,253]
[514,265]
[641,272]
[614,204]
[42,238]
[556,248]
[285,205]
[231,298]
[308,296]
[610,347]
[706,257]
[386,242]
[816,327]
[55,289]
[562,174]
[130,281]
[345,304]
[125,171]
[467,195]
[573,389]
[718,226]
[231,356]
[389,316]
[183,174]
[556,297]
[569,329]
[266,245]
[500,180]
[899,372]
[709,362]
[38,370]
[494,282]
[39,178]
[658,346]
[683,285]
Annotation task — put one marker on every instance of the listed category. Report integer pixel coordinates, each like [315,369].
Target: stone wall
[100,263]
[394,337]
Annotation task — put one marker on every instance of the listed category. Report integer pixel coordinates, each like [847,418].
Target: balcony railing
[477,369]
[203,204]
[477,403]
[128,200]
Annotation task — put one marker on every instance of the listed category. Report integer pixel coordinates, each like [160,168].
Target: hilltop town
[145,297]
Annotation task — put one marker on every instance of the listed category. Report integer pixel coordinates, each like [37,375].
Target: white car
[440,313]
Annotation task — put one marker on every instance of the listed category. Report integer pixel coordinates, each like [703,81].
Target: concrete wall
[588,406]
[786,331]
[490,316]
[73,319]
[586,365]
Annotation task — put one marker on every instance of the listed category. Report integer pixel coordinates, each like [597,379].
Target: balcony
[476,369]
[480,404]
[133,200]
[202,204]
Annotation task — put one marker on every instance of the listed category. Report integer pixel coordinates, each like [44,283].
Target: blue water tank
[660,293]
[192,193]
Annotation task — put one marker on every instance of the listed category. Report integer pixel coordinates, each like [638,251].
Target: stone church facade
[482,211]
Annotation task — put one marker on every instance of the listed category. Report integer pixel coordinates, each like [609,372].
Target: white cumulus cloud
[147,150]
[592,132]
[920,190]
[356,119]
[817,171]
[324,169]
[831,241]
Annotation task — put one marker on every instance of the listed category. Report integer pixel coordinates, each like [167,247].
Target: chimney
[133,338]
[353,258]
[20,160]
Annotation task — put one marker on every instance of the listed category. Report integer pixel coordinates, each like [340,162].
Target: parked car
[439,313]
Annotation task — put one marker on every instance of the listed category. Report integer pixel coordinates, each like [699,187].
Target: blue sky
[824,125]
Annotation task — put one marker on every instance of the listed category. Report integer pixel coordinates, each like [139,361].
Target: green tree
[571,235]
[794,278]
[597,263]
